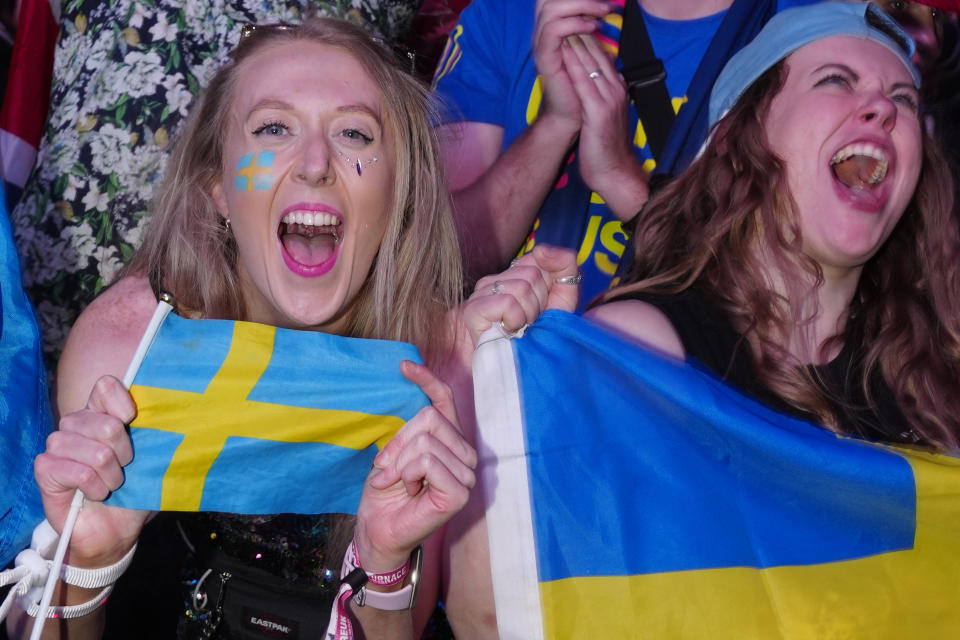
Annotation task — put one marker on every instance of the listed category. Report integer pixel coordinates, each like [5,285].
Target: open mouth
[310,238]
[859,166]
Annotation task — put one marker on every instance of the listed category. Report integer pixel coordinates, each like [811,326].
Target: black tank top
[711,342]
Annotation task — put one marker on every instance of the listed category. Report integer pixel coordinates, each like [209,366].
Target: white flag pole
[163,308]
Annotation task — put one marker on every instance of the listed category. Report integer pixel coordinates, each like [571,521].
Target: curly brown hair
[702,230]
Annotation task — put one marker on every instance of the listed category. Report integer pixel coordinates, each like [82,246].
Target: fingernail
[383,459]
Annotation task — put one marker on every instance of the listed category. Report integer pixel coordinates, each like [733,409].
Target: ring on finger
[575,279]
[596,73]
[497,288]
[512,334]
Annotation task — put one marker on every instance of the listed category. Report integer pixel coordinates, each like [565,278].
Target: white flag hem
[503,471]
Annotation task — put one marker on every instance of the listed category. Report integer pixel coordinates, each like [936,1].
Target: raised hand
[88,452]
[608,163]
[555,22]
[545,278]
[419,480]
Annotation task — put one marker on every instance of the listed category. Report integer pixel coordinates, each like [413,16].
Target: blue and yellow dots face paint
[254,171]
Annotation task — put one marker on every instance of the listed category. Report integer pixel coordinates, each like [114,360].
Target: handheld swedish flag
[248,418]
[633,496]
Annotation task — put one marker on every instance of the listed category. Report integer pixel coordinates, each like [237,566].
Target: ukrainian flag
[249,418]
[653,501]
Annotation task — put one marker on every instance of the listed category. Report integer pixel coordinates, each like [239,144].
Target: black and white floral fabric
[126,73]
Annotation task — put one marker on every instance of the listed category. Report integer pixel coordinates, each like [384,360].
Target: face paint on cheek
[357,163]
[254,171]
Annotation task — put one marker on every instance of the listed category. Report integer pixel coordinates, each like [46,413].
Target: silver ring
[595,74]
[497,287]
[577,279]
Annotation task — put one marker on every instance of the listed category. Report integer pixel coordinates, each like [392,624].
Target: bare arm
[90,447]
[497,198]
[608,163]
[526,288]
[419,481]
[640,322]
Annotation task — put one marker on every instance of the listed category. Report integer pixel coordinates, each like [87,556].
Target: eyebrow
[360,108]
[272,104]
[837,65]
[897,86]
[347,108]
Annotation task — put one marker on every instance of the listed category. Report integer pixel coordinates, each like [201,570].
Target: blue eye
[353,134]
[908,100]
[271,129]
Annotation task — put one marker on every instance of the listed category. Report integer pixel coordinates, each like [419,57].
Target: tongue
[309,251]
[855,172]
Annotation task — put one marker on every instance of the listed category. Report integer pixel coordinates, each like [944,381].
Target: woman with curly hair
[808,256]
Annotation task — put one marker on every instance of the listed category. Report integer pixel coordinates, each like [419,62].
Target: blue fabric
[25,415]
[742,22]
[246,418]
[487,74]
[678,471]
[798,27]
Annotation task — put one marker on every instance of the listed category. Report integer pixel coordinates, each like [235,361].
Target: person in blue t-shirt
[542,143]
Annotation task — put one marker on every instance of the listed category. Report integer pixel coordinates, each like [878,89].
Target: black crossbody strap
[646,78]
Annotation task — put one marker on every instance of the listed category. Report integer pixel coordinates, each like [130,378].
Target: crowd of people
[792,227]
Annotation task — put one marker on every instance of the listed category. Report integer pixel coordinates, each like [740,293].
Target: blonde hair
[416,276]
[702,231]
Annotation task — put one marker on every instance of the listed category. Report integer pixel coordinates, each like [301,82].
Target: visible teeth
[859,149]
[868,150]
[311,219]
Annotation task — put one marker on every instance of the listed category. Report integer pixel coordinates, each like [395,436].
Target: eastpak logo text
[267,624]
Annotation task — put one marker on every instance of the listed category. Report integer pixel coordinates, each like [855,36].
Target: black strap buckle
[644,75]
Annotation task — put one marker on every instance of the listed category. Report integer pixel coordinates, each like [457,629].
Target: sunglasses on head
[401,52]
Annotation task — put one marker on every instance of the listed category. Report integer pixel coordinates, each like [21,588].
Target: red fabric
[428,34]
[953,6]
[31,72]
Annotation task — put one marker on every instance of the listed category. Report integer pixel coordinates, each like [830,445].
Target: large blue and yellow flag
[249,418]
[653,501]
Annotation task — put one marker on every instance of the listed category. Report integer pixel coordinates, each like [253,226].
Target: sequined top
[297,548]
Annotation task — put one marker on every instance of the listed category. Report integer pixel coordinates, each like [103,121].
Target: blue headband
[793,28]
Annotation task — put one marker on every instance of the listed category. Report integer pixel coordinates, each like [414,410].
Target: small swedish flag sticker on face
[253,171]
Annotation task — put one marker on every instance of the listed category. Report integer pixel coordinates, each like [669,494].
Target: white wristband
[29,589]
[71,611]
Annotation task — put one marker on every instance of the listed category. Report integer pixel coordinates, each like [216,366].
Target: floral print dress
[125,75]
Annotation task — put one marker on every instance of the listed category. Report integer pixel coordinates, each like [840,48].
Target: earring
[226,224]
[358,165]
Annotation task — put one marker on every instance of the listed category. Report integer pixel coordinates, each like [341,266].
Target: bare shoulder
[103,340]
[641,322]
